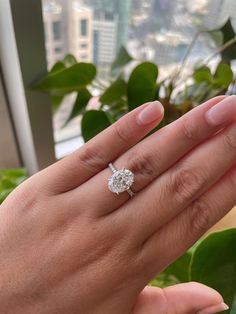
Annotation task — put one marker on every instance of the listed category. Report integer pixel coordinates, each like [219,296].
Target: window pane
[56,30]
[83,46]
[156,30]
[58,49]
[83,27]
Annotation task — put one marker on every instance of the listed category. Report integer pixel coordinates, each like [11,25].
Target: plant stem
[99,82]
[97,85]
[185,58]
[219,50]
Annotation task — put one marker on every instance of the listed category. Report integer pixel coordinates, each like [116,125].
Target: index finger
[95,155]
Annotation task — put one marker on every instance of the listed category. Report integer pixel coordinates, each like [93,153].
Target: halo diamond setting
[121,181]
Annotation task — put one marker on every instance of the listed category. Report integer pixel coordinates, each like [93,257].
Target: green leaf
[56,101]
[203,74]
[223,75]
[58,66]
[9,180]
[122,59]
[228,33]
[93,122]
[195,93]
[233,308]
[164,280]
[180,268]
[70,79]
[117,110]
[142,84]
[214,263]
[69,60]
[177,272]
[114,92]
[80,104]
[213,92]
[217,36]
[13,175]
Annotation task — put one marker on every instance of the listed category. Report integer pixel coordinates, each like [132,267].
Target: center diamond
[121,181]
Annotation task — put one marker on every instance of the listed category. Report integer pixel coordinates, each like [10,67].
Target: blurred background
[156,30]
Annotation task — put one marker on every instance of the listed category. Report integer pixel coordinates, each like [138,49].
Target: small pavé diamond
[121,181]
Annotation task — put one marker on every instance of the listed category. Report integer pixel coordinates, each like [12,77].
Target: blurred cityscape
[156,30]
[160,30]
[92,30]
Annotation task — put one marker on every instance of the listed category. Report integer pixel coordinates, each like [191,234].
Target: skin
[69,245]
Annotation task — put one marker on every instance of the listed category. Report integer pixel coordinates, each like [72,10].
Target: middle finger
[179,186]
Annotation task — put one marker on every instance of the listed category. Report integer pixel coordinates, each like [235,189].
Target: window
[58,49]
[28,132]
[56,30]
[84,46]
[83,57]
[154,30]
[83,27]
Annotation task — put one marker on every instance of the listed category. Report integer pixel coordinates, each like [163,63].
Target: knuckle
[123,134]
[186,183]
[142,165]
[200,217]
[92,158]
[189,129]
[230,139]
[196,285]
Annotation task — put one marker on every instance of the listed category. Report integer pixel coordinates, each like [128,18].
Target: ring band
[121,180]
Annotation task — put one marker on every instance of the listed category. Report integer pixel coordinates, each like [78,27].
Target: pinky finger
[173,239]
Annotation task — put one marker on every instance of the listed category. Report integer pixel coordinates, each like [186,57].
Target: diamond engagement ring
[121,180]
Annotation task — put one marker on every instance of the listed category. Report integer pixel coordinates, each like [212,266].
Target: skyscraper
[54,40]
[122,9]
[104,39]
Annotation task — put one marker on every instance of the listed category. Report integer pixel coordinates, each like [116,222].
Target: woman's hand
[69,245]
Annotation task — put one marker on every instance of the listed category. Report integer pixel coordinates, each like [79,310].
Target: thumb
[183,298]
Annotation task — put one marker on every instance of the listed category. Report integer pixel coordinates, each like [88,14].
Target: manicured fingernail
[215,309]
[150,113]
[223,112]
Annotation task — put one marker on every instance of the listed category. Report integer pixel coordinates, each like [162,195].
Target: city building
[122,9]
[54,40]
[104,39]
[80,31]
[68,29]
[93,31]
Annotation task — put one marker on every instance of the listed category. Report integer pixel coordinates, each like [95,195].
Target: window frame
[10,156]
[23,61]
